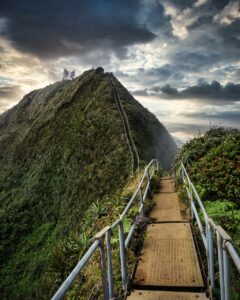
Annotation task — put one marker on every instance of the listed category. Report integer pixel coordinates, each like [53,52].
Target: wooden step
[166,208]
[156,295]
[168,258]
[167,186]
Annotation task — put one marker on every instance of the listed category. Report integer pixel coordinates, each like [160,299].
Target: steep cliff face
[62,148]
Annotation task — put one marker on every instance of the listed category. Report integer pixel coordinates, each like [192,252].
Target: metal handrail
[125,123]
[225,248]
[105,233]
[126,119]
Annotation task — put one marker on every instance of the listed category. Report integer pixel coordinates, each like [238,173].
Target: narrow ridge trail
[168,267]
[126,126]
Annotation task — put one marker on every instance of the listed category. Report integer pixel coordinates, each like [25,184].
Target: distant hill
[62,148]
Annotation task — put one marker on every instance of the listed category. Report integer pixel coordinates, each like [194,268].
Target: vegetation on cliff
[64,160]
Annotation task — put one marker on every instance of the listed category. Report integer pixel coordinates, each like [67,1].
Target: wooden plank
[168,257]
[166,208]
[167,186]
[156,295]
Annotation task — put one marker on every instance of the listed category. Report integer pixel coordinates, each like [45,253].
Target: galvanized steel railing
[224,245]
[105,234]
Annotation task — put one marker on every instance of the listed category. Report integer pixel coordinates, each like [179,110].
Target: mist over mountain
[62,148]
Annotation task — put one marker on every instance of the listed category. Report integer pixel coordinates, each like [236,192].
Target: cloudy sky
[179,58]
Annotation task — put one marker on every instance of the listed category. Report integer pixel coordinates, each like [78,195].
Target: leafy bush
[213,163]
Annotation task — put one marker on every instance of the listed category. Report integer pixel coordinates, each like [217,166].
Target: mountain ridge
[63,148]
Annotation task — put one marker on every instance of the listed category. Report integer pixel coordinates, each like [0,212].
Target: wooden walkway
[168,268]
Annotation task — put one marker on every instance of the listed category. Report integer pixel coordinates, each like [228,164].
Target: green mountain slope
[63,148]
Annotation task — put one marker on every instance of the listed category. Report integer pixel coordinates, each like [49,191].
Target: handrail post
[148,180]
[104,270]
[123,256]
[220,264]
[207,241]
[141,201]
[157,162]
[226,268]
[110,267]
[211,258]
[191,200]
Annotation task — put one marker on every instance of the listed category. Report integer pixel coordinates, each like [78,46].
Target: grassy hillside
[62,149]
[70,155]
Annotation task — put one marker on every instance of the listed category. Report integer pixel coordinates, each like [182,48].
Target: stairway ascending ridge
[168,268]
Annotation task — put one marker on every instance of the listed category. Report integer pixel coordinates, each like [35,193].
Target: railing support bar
[104,271]
[211,258]
[148,179]
[226,268]
[220,264]
[191,199]
[146,191]
[141,201]
[129,237]
[110,267]
[123,256]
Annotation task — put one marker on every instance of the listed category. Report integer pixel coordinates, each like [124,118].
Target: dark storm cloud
[200,51]
[208,41]
[229,36]
[213,91]
[8,95]
[60,28]
[167,91]
[156,19]
[210,4]
[219,4]
[181,4]
[202,20]
[164,71]
[9,91]
[190,61]
[152,76]
[203,90]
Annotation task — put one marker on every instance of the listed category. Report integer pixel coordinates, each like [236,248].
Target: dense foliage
[213,163]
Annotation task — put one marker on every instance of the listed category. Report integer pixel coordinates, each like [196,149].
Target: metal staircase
[168,267]
[125,123]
